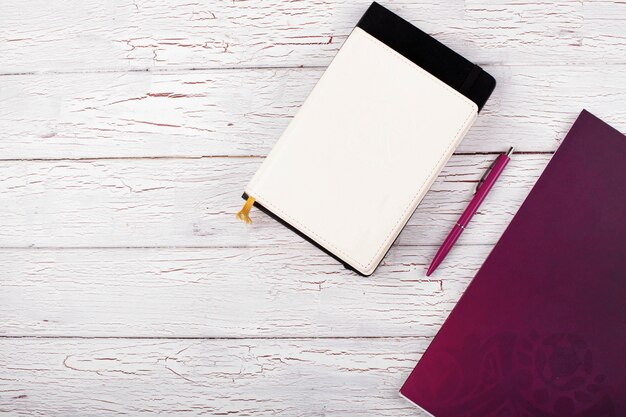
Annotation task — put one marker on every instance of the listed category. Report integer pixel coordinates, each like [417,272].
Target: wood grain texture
[307,377]
[138,34]
[128,129]
[192,202]
[243,112]
[227,292]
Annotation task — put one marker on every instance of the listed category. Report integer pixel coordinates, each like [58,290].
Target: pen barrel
[454,235]
[469,212]
[441,254]
[484,189]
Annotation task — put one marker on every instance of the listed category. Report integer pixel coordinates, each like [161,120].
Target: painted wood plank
[243,112]
[260,282]
[191,202]
[227,292]
[138,34]
[350,377]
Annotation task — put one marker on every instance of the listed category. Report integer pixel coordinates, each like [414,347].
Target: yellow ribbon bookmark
[244,213]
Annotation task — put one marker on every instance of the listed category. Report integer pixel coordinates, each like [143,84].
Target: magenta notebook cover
[541,330]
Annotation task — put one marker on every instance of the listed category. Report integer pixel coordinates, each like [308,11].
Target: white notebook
[365,147]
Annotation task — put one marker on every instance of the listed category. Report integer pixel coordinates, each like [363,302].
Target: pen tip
[430,271]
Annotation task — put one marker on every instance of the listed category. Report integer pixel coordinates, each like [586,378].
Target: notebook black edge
[431,55]
[304,236]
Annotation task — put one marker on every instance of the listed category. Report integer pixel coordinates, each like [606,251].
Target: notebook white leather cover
[362,151]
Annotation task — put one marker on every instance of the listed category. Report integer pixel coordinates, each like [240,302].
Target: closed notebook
[371,138]
[541,330]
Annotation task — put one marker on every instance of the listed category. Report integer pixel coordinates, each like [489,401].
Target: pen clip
[488,170]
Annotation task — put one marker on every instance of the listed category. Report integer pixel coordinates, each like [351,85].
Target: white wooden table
[128,131]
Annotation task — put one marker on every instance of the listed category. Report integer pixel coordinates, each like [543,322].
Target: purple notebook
[541,330]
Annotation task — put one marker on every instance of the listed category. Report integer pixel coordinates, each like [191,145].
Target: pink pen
[482,189]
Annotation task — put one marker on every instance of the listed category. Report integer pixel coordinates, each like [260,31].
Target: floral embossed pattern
[530,376]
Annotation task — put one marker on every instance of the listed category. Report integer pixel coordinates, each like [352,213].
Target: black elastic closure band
[471,78]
